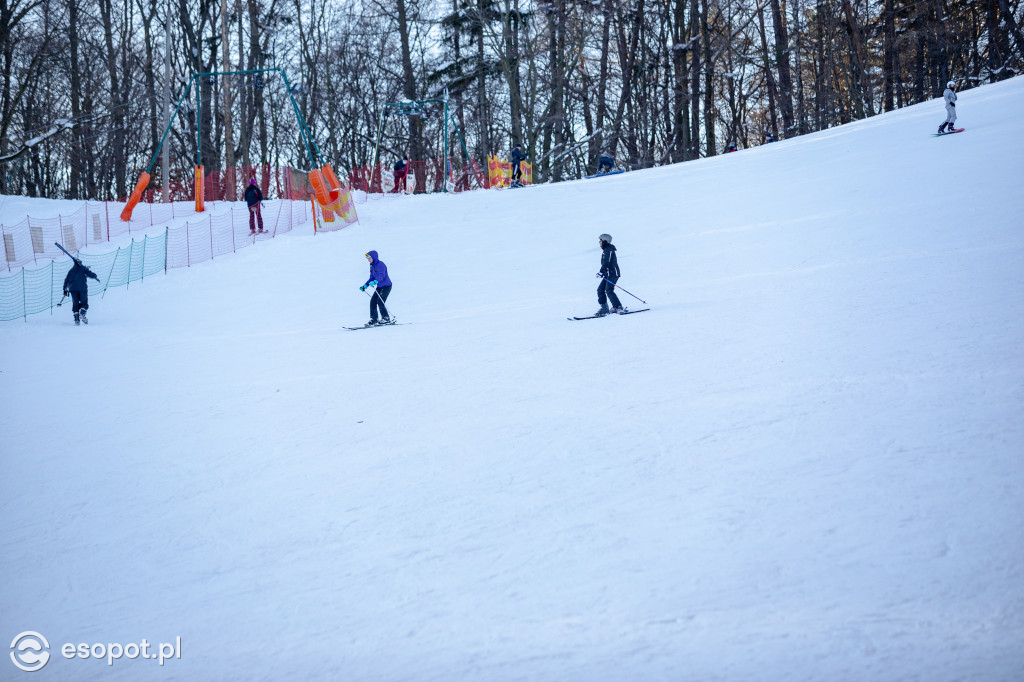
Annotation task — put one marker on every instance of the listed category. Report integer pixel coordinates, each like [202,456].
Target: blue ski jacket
[378,271]
[76,277]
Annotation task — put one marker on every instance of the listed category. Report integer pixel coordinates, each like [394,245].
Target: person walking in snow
[518,156]
[378,278]
[254,199]
[76,284]
[949,96]
[609,274]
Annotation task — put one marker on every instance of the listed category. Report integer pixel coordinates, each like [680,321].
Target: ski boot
[85,320]
[76,320]
[619,310]
[371,323]
[602,312]
[385,320]
[942,128]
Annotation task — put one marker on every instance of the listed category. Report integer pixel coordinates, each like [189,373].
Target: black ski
[371,326]
[592,317]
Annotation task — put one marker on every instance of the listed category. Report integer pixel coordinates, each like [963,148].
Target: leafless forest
[653,81]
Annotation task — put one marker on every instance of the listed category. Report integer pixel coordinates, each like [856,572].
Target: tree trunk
[118,116]
[888,54]
[782,60]
[709,82]
[77,151]
[698,41]
[769,79]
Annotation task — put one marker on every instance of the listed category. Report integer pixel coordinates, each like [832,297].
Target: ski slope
[806,462]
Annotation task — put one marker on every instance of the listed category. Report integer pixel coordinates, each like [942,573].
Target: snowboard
[592,317]
[958,130]
[601,175]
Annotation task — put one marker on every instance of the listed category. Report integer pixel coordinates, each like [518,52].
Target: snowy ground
[806,462]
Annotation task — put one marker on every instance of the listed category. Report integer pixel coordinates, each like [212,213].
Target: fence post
[167,232]
[24,302]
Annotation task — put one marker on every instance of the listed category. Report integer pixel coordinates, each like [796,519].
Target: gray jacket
[950,97]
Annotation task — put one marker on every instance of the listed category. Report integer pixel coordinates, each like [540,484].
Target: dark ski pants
[79,301]
[517,172]
[606,292]
[377,302]
[254,215]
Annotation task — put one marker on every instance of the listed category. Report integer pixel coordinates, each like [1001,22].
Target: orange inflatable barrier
[200,188]
[332,182]
[140,186]
[323,193]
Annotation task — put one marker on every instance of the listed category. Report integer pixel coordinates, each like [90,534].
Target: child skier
[609,275]
[378,278]
[950,98]
[76,285]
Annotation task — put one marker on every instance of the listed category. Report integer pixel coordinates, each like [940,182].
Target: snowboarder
[605,160]
[518,156]
[609,275]
[76,285]
[253,199]
[768,137]
[732,148]
[950,98]
[378,278]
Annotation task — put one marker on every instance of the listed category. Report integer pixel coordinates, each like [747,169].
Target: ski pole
[62,299]
[375,293]
[618,287]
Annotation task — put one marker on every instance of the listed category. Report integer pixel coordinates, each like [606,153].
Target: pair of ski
[392,323]
[592,317]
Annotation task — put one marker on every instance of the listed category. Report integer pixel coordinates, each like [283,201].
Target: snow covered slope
[806,462]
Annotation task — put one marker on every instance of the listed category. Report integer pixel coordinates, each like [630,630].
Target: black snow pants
[377,302]
[606,292]
[79,301]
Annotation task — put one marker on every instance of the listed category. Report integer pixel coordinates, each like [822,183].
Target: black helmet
[606,238]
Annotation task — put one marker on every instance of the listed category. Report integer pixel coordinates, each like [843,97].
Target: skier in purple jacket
[378,278]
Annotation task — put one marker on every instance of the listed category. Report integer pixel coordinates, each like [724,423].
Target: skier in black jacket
[518,156]
[76,285]
[609,275]
[254,198]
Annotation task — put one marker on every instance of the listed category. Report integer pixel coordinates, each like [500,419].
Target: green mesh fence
[30,291]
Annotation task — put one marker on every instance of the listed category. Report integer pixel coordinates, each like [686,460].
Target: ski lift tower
[414,109]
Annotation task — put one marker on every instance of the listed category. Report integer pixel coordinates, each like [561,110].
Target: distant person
[605,161]
[950,98]
[732,148]
[76,284]
[518,156]
[401,170]
[378,278]
[609,274]
[769,138]
[254,199]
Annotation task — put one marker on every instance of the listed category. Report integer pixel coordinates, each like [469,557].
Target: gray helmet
[950,84]
[606,238]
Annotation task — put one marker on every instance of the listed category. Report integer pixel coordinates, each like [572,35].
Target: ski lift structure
[421,109]
[325,184]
